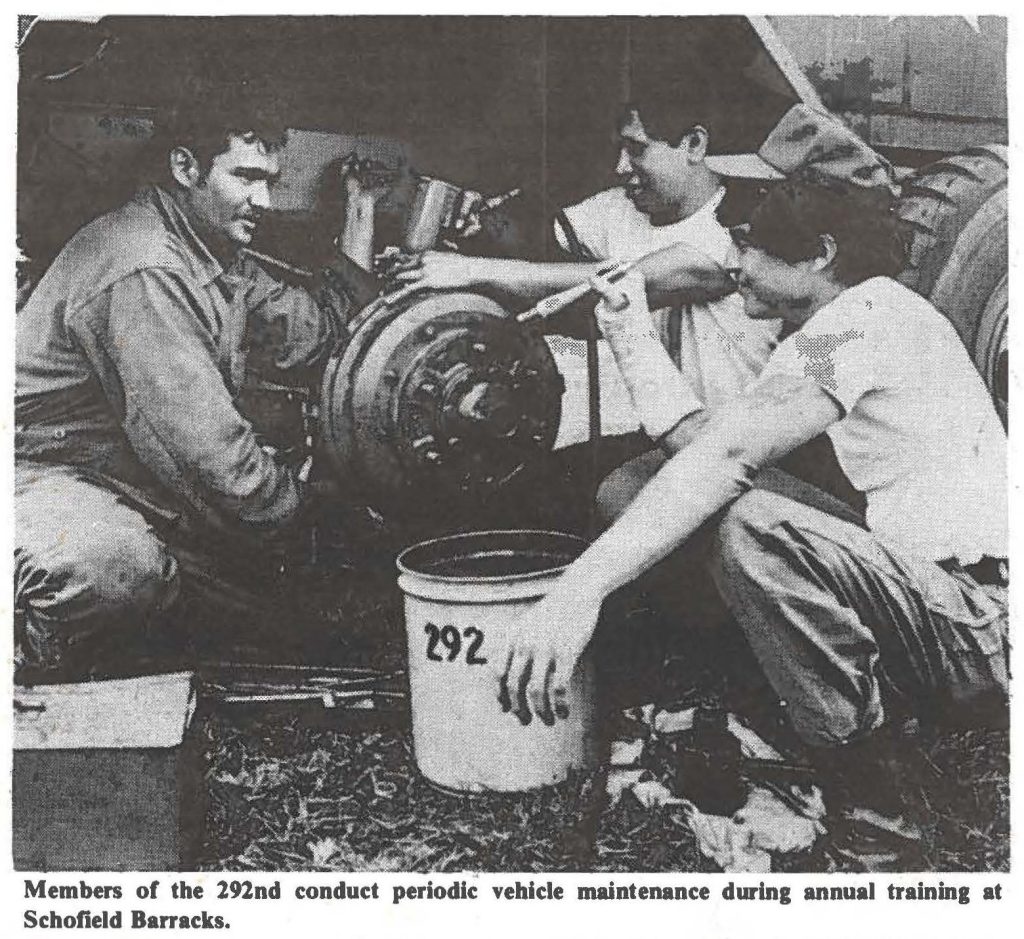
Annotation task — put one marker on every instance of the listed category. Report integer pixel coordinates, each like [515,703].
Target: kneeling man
[855,627]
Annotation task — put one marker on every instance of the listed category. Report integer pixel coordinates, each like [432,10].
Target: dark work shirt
[130,353]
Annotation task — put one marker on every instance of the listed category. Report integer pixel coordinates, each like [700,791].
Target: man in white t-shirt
[667,203]
[715,347]
[855,627]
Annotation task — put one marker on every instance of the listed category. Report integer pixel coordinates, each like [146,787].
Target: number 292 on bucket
[447,644]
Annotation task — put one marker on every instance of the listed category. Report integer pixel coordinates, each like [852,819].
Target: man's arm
[352,261]
[527,281]
[288,328]
[149,340]
[770,419]
[669,411]
[677,274]
[683,433]
[357,232]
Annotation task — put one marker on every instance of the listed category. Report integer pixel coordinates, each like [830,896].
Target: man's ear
[184,167]
[696,143]
[826,252]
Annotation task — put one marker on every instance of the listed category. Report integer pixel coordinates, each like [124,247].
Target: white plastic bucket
[462,593]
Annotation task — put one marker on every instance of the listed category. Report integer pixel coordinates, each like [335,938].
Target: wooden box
[107,775]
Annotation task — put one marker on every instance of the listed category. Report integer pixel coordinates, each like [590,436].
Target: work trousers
[89,566]
[849,631]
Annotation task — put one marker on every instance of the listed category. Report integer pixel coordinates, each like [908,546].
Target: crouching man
[135,474]
[854,626]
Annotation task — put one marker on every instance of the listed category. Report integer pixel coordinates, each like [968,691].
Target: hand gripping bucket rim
[462,594]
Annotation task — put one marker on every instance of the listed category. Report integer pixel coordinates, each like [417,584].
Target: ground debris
[285,796]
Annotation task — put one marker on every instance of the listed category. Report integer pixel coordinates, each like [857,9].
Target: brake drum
[442,396]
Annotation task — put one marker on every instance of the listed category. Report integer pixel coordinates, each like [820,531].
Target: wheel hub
[444,394]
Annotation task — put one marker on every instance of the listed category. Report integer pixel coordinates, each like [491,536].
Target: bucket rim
[404,569]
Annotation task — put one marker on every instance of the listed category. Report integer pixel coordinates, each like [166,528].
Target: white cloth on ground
[745,840]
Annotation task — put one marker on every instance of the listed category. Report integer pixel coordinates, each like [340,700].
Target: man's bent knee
[623,484]
[611,500]
[747,519]
[107,574]
[132,573]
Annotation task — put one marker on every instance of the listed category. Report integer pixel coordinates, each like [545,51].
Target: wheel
[442,397]
[956,216]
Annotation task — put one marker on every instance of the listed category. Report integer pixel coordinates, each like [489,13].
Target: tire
[956,216]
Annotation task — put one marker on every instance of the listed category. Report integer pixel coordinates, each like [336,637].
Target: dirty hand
[363,186]
[544,648]
[468,222]
[623,305]
[434,270]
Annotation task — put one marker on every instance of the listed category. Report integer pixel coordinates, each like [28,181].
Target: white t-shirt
[721,349]
[919,436]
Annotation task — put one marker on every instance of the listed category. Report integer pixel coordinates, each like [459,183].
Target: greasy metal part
[442,396]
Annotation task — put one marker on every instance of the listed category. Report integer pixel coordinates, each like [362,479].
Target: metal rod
[557,302]
[308,696]
[318,669]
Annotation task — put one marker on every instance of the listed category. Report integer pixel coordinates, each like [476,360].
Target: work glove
[661,396]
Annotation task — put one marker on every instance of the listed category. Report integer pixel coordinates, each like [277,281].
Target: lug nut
[429,332]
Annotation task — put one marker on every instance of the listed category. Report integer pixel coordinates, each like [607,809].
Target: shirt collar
[208,266]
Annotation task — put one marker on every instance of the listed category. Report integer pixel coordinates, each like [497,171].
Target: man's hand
[436,270]
[365,184]
[468,223]
[623,308]
[682,273]
[544,649]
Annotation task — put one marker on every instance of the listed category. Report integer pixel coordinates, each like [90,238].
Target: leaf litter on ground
[277,789]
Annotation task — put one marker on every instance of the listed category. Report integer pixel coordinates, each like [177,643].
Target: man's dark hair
[204,119]
[669,120]
[792,218]
[714,72]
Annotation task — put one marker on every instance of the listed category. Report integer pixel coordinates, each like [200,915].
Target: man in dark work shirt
[134,470]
